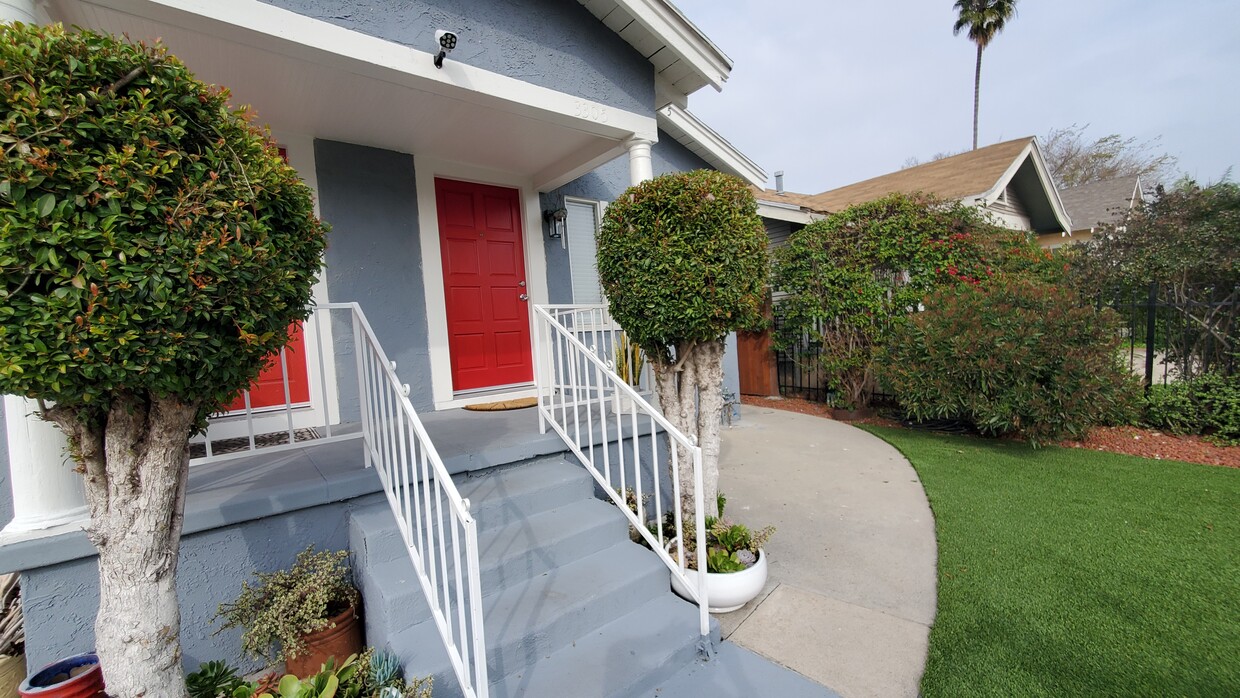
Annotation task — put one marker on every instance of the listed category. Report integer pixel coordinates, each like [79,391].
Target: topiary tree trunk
[135,466]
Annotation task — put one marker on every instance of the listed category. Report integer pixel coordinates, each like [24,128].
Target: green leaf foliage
[850,276]
[682,259]
[152,240]
[1015,356]
[1208,404]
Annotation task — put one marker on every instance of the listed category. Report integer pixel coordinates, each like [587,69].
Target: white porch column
[640,166]
[26,11]
[46,490]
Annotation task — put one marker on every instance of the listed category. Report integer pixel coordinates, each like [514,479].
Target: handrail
[577,385]
[418,487]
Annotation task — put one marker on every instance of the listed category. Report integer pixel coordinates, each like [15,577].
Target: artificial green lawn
[1067,572]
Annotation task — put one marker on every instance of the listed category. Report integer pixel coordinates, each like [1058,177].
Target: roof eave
[1034,152]
[690,131]
[679,35]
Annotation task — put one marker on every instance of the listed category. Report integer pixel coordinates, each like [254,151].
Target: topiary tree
[682,259]
[849,276]
[154,249]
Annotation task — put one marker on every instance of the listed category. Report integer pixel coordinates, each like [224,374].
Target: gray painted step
[626,657]
[527,622]
[497,496]
[735,672]
[508,555]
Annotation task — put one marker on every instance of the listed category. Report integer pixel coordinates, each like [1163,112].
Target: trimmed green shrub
[1173,408]
[682,260]
[1015,356]
[1208,404]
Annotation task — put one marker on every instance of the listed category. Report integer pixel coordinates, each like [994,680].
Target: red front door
[484,284]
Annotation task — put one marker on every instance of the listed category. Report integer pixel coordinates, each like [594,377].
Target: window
[582,223]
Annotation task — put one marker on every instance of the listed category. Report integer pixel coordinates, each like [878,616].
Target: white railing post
[361,383]
[583,372]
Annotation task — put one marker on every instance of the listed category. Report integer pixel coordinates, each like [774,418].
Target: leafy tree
[1075,160]
[1186,240]
[850,276]
[682,259]
[983,19]
[154,249]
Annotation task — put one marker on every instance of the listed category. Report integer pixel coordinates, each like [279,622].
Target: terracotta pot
[340,639]
[87,684]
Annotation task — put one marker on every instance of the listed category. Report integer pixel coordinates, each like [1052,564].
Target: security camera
[447,42]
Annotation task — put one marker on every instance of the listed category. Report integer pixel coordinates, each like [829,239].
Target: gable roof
[681,54]
[1101,202]
[978,177]
[961,176]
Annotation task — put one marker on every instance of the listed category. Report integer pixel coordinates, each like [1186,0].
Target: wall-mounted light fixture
[556,222]
[447,42]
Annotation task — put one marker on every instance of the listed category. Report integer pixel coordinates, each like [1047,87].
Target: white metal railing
[439,532]
[289,423]
[624,442]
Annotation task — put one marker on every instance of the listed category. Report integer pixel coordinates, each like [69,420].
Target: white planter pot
[726,592]
[621,404]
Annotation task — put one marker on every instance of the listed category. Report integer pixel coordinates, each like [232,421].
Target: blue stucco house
[460,270]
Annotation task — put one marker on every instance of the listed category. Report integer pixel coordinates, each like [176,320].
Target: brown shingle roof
[1098,202]
[956,177]
[803,200]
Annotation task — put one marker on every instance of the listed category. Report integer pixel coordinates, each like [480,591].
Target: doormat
[276,438]
[502,405]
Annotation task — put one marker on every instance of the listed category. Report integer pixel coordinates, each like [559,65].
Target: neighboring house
[458,197]
[1096,204]
[1010,180]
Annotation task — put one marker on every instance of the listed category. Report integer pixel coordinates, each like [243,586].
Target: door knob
[525,296]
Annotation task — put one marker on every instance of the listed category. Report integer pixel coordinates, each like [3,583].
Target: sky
[837,92]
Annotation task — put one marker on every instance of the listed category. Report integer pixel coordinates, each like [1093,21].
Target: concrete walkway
[851,592]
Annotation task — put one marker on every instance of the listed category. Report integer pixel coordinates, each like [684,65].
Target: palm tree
[984,19]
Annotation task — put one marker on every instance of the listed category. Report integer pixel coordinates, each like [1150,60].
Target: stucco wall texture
[60,602]
[550,43]
[374,257]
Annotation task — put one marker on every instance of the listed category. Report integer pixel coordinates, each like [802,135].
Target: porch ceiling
[371,92]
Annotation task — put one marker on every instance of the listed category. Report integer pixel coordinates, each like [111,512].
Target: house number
[593,112]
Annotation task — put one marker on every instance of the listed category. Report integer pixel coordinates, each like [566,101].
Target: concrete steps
[572,607]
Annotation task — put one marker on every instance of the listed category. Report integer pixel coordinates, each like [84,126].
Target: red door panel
[484,279]
[268,390]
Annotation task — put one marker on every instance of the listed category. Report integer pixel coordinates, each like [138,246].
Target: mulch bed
[1133,441]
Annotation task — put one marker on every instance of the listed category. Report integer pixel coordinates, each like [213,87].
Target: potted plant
[302,616]
[78,676]
[736,566]
[629,361]
[368,675]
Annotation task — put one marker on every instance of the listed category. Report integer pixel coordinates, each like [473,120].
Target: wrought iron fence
[1176,332]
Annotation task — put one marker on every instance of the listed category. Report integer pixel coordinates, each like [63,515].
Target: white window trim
[426,169]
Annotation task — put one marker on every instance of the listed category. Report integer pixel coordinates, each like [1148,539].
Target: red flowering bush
[1015,355]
